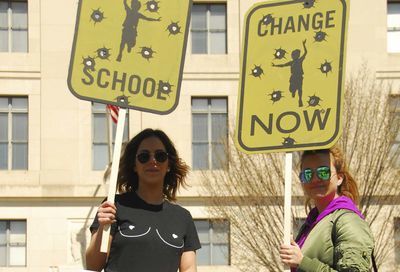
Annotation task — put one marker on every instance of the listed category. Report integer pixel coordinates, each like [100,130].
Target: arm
[141,16]
[305,50]
[353,247]
[282,65]
[96,260]
[188,262]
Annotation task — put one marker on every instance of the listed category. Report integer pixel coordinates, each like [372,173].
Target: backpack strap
[334,238]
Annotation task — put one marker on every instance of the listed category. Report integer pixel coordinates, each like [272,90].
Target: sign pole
[114,174]
[288,201]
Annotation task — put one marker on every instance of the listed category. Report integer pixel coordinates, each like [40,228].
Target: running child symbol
[130,25]
[296,70]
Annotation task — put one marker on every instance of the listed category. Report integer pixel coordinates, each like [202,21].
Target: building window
[397,241]
[12,243]
[214,239]
[209,133]
[208,29]
[101,126]
[13,26]
[393,24]
[13,133]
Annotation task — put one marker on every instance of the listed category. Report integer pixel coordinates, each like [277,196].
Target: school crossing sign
[130,53]
[291,86]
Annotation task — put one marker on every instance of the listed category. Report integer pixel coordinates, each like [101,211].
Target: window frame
[10,28]
[209,141]
[9,244]
[208,30]
[395,29]
[109,122]
[211,223]
[10,141]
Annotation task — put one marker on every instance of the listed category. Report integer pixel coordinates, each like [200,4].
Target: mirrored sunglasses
[159,156]
[323,173]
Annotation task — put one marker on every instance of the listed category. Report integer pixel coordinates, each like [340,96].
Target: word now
[281,122]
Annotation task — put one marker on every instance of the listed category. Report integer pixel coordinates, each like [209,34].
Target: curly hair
[349,186]
[128,179]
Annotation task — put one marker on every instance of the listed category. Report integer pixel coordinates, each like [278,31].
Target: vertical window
[209,133]
[13,26]
[214,239]
[100,136]
[395,107]
[13,133]
[208,29]
[393,24]
[12,243]
[397,241]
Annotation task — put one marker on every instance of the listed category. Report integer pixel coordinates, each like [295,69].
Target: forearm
[96,260]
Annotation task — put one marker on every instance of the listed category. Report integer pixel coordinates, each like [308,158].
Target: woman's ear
[340,179]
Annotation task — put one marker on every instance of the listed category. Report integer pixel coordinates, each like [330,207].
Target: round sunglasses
[160,156]
[323,173]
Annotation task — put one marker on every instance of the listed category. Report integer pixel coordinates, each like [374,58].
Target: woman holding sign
[335,236]
[148,232]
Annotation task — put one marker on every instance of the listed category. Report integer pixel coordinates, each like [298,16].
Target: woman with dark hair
[148,232]
[335,236]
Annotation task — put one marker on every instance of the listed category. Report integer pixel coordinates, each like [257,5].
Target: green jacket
[354,245]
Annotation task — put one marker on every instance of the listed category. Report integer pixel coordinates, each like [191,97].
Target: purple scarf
[313,217]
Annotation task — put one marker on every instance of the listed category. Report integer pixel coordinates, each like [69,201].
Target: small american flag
[113,110]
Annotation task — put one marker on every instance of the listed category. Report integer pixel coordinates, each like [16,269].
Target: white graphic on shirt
[133,236]
[169,243]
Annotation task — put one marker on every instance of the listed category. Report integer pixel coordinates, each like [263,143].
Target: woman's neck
[153,196]
[322,203]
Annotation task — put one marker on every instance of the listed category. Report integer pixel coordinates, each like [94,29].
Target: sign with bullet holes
[291,85]
[130,53]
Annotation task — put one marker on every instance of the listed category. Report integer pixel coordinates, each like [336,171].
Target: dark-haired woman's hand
[106,213]
[291,255]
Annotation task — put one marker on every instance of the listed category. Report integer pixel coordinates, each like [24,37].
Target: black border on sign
[178,88]
[295,147]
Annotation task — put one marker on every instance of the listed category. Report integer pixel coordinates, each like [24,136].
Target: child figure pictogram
[130,25]
[296,70]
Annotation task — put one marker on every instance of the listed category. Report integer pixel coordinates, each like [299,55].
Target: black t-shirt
[149,238]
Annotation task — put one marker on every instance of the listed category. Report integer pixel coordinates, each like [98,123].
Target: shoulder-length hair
[349,186]
[128,180]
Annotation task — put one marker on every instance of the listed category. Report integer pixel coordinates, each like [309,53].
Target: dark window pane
[100,156]
[200,128]
[200,156]
[20,127]
[20,156]
[3,127]
[199,42]
[199,17]
[3,156]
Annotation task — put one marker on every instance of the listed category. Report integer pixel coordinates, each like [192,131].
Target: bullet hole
[314,100]
[276,96]
[267,19]
[174,28]
[308,4]
[165,87]
[257,71]
[280,53]
[326,67]
[89,63]
[97,16]
[152,6]
[147,52]
[288,142]
[103,53]
[123,100]
[320,36]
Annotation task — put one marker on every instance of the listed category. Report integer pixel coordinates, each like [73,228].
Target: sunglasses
[159,156]
[323,173]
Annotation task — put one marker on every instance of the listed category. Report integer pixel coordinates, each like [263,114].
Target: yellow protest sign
[130,53]
[291,86]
